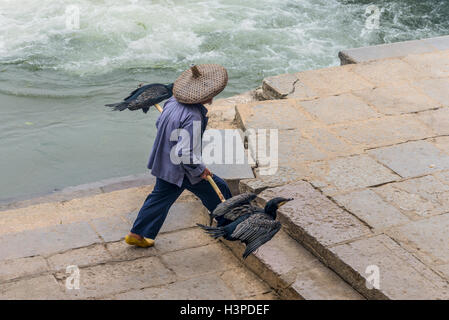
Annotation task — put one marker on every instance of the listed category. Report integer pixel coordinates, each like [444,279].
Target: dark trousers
[155,208]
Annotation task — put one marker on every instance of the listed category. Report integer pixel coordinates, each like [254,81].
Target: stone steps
[353,250]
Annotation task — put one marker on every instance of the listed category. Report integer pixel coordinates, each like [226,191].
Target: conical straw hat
[200,83]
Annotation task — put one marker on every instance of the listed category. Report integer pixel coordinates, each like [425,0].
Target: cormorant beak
[280,204]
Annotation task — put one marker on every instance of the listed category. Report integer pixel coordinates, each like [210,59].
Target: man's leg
[155,208]
[207,195]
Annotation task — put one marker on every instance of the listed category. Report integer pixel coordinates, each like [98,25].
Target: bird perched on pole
[144,97]
[253,229]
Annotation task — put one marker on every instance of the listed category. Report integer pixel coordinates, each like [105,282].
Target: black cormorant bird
[234,207]
[253,229]
[144,97]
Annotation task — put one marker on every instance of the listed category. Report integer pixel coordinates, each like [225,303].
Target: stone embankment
[364,151]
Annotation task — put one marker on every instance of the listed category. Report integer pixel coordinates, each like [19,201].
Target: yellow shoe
[143,243]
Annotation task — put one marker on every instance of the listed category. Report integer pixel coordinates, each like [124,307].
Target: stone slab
[46,241]
[437,89]
[321,283]
[81,257]
[207,287]
[434,64]
[243,283]
[441,143]
[182,215]
[312,219]
[279,87]
[122,251]
[190,262]
[418,197]
[337,109]
[108,279]
[441,43]
[181,240]
[388,71]
[111,228]
[352,172]
[75,210]
[388,50]
[282,176]
[383,131]
[428,239]
[330,143]
[22,267]
[371,209]
[436,120]
[412,159]
[39,288]
[330,81]
[401,275]
[396,99]
[273,114]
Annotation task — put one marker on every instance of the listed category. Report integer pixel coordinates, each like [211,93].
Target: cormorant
[253,229]
[234,207]
[144,97]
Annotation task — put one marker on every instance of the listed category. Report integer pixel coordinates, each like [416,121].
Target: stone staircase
[364,151]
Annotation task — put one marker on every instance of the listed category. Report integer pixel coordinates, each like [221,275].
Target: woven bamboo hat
[200,83]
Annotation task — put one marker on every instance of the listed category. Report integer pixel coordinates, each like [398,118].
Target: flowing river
[56,74]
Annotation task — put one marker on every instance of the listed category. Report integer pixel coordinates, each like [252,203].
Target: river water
[56,77]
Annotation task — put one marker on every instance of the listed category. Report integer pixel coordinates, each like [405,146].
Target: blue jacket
[185,144]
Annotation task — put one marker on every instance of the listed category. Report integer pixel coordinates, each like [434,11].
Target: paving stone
[103,280]
[383,131]
[182,239]
[444,270]
[244,283]
[294,147]
[435,64]
[402,276]
[206,287]
[320,283]
[111,228]
[383,72]
[330,143]
[371,209]
[442,143]
[383,51]
[441,43]
[48,240]
[396,99]
[182,215]
[312,218]
[266,296]
[427,239]
[423,196]
[120,250]
[282,176]
[80,257]
[331,81]
[437,89]
[18,268]
[437,120]
[352,172]
[190,262]
[412,159]
[337,109]
[38,288]
[274,114]
[76,210]
[279,87]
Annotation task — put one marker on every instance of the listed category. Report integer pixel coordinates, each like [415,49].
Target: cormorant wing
[255,231]
[232,203]
[239,211]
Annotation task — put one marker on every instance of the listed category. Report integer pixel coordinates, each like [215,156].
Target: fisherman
[185,110]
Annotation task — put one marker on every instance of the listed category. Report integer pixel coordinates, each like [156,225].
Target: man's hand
[205,173]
